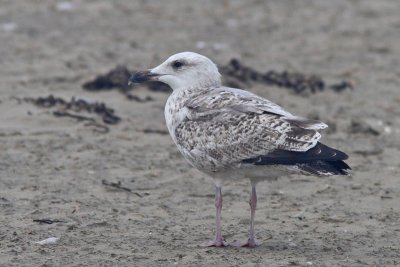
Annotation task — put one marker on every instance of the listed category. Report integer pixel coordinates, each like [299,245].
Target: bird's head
[182,71]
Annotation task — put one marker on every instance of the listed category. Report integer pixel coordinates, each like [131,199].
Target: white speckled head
[188,70]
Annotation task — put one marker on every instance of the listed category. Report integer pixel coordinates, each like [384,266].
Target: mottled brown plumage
[220,127]
[229,133]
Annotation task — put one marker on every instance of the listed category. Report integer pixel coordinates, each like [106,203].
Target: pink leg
[219,240]
[253,204]
[251,242]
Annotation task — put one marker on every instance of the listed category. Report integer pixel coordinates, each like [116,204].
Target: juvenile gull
[230,133]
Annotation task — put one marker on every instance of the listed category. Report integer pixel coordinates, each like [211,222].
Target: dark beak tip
[136,77]
[141,76]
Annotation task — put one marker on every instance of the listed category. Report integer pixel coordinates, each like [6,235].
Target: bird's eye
[177,64]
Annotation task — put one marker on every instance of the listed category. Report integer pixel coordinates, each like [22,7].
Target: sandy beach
[126,197]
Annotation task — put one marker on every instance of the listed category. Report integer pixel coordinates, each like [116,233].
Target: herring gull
[230,133]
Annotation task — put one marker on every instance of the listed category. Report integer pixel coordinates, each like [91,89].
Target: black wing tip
[326,168]
[320,160]
[345,156]
[341,167]
[319,152]
[329,153]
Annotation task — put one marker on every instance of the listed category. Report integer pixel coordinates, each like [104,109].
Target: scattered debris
[155,131]
[116,185]
[77,105]
[119,186]
[78,117]
[138,99]
[48,221]
[98,127]
[48,241]
[294,81]
[344,85]
[234,74]
[115,78]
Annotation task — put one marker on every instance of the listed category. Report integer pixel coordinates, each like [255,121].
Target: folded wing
[228,126]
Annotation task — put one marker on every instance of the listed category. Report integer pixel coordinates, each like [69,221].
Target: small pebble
[65,6]
[48,241]
[9,26]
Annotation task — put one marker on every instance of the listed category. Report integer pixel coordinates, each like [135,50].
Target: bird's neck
[199,86]
[188,93]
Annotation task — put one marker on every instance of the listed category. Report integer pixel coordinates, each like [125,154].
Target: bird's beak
[143,76]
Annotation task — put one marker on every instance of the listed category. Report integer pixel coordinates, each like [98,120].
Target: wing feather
[227,125]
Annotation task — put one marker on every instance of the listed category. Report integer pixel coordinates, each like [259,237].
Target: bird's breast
[174,113]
